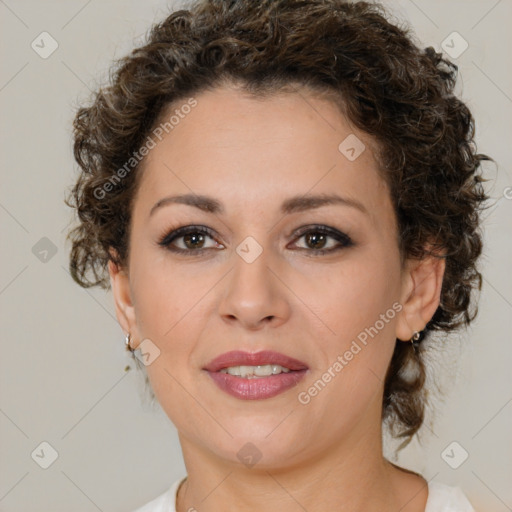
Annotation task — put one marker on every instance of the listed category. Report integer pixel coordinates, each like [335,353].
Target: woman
[284,198]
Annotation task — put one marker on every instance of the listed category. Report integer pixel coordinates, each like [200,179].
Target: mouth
[247,362]
[254,376]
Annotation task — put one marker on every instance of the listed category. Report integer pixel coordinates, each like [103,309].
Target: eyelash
[170,237]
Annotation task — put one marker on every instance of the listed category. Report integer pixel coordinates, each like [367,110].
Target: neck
[351,475]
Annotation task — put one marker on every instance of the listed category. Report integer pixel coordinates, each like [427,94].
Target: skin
[251,155]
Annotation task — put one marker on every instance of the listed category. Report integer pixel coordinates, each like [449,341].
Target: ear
[422,282]
[125,311]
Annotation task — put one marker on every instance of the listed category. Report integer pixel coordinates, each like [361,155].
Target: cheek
[359,309]
[171,309]
[163,294]
[358,293]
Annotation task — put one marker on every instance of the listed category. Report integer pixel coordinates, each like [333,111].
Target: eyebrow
[290,205]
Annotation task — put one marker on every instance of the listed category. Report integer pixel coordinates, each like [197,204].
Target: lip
[260,387]
[241,358]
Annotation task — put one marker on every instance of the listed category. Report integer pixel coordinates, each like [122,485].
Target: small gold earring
[415,337]
[127,343]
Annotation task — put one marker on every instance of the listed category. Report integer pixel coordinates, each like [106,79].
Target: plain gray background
[63,378]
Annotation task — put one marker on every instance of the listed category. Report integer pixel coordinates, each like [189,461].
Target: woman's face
[251,276]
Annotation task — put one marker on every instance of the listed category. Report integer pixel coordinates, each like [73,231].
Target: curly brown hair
[386,85]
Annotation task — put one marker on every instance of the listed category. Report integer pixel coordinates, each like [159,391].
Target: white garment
[441,498]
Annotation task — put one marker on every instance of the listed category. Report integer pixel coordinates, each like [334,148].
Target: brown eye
[193,240]
[316,238]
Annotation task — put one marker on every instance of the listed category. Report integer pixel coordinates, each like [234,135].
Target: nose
[254,294]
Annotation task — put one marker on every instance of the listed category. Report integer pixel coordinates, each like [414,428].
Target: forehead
[251,151]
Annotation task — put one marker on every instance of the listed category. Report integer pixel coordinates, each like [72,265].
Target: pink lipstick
[287,372]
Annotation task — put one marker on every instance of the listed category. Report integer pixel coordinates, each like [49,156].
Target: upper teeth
[255,371]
